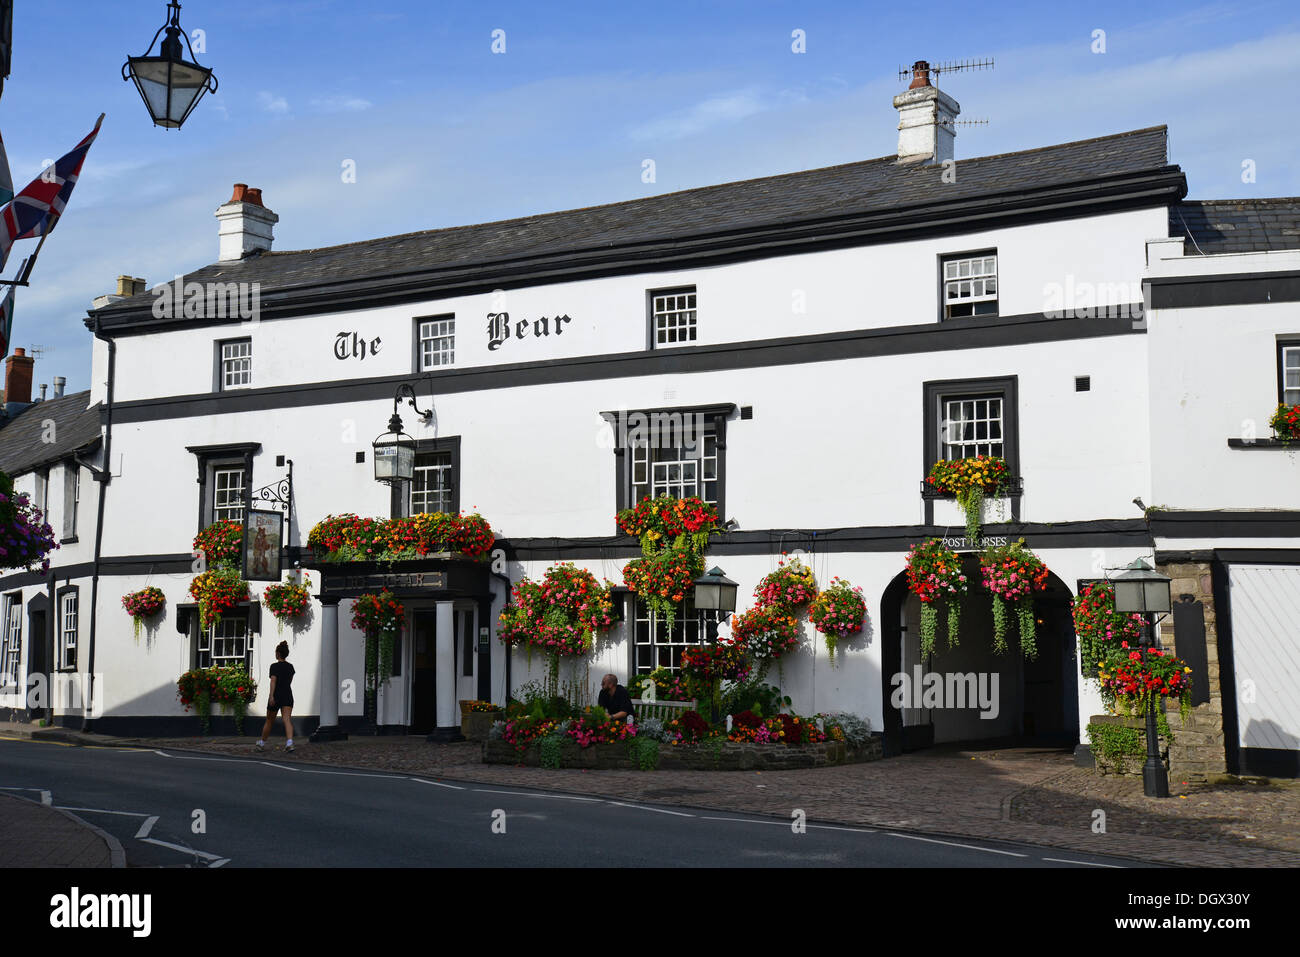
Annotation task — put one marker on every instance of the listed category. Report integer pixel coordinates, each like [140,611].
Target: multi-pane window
[676,455]
[1290,373]
[970,286]
[227,494]
[971,425]
[660,645]
[236,364]
[11,643]
[224,643]
[437,343]
[673,316]
[68,632]
[431,489]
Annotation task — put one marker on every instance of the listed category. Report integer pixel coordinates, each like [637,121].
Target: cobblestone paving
[1029,795]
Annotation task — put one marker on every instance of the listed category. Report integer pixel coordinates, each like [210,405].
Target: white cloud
[715,111]
[272,103]
[340,104]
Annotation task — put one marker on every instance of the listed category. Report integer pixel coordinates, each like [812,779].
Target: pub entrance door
[424,686]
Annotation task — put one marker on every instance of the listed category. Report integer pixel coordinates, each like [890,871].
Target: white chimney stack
[245,224]
[925,120]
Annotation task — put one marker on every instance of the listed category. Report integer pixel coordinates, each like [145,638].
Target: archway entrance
[967,693]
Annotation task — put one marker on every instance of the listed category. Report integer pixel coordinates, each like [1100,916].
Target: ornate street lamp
[1142,590]
[714,591]
[395,450]
[170,85]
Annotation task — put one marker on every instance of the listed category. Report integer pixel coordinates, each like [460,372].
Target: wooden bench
[665,711]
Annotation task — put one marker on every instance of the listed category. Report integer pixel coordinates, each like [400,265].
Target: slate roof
[75,428]
[831,193]
[1236,225]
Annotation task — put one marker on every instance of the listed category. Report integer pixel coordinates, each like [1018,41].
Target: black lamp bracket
[407,391]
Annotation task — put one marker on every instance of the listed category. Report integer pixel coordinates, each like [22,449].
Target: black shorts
[275,706]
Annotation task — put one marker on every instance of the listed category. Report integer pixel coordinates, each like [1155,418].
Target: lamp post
[714,592]
[1142,590]
[170,85]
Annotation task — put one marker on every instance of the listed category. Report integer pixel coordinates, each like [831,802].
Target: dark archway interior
[1019,701]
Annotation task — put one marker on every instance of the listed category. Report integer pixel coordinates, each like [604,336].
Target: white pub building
[822,329]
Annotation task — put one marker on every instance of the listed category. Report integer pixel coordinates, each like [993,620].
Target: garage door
[1266,654]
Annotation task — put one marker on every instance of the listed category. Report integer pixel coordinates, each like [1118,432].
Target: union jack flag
[36,210]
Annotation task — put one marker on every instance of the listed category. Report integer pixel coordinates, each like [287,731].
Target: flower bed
[713,755]
[351,538]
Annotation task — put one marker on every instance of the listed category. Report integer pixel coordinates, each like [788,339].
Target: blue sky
[444,132]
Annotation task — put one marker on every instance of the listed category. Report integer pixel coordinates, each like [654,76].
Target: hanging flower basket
[837,612]
[1100,629]
[231,687]
[561,615]
[1012,573]
[350,538]
[220,543]
[287,600]
[142,604]
[766,632]
[791,586]
[381,616]
[217,591]
[934,575]
[1286,422]
[663,580]
[683,524]
[707,664]
[26,539]
[971,481]
[1131,677]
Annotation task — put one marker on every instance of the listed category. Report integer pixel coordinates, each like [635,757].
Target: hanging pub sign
[263,536]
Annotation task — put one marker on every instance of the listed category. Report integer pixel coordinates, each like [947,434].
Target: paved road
[259,813]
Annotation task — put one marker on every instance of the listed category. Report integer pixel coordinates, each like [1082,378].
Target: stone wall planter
[729,756]
[474,725]
[1129,763]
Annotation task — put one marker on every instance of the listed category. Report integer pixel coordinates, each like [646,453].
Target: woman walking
[280,698]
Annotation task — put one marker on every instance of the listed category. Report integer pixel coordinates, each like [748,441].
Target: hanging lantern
[170,85]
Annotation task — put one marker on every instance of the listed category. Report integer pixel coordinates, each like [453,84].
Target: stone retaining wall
[730,756]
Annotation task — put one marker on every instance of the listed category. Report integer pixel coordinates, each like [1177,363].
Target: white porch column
[448,728]
[329,673]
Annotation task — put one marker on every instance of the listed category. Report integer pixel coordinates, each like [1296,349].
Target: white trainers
[261,746]
[288,747]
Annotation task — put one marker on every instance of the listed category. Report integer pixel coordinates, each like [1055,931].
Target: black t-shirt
[282,672]
[619,701]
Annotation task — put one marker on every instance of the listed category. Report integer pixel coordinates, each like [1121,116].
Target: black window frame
[244,613]
[218,377]
[210,457]
[59,595]
[416,357]
[651,338]
[399,496]
[936,392]
[943,258]
[655,624]
[718,415]
[1284,343]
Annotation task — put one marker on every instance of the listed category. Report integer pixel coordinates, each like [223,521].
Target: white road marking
[437,784]
[657,810]
[851,830]
[224,860]
[1061,860]
[530,794]
[100,810]
[146,827]
[972,847]
[745,820]
[184,850]
[46,798]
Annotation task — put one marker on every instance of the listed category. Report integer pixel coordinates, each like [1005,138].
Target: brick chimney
[127,286]
[244,224]
[18,377]
[925,119]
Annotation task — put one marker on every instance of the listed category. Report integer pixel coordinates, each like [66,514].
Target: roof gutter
[103,476]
